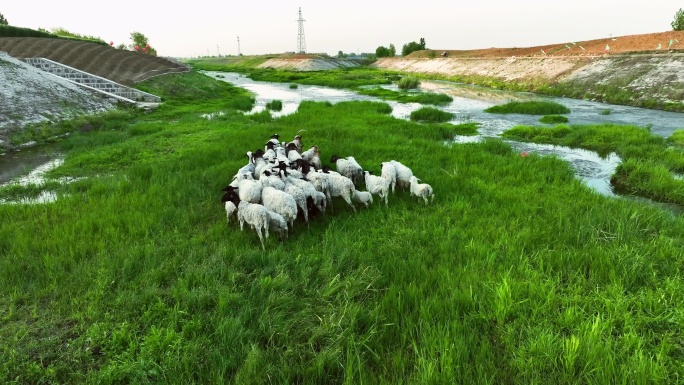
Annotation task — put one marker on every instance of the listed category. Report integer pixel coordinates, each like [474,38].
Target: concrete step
[93,82]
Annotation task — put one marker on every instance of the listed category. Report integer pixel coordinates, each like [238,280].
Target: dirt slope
[121,66]
[651,42]
[29,95]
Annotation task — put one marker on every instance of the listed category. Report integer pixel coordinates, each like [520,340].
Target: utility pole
[238,45]
[301,42]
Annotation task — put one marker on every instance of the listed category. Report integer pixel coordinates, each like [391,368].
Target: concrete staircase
[93,82]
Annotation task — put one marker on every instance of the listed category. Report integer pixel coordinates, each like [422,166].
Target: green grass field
[516,274]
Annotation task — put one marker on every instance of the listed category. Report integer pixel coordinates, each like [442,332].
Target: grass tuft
[431,115]
[553,119]
[536,107]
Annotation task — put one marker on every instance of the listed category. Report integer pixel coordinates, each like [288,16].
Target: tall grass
[648,165]
[429,114]
[553,119]
[275,105]
[407,83]
[533,107]
[517,273]
[406,97]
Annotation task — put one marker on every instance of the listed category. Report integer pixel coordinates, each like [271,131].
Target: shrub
[534,107]
[606,111]
[553,119]
[429,114]
[407,83]
[293,86]
[275,105]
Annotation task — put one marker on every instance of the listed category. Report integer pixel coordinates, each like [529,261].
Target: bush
[553,119]
[537,107]
[432,115]
[293,86]
[678,22]
[275,105]
[606,111]
[407,83]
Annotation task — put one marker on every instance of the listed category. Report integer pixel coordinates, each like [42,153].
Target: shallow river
[468,106]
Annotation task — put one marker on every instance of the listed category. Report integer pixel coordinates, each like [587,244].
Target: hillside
[29,95]
[660,42]
[631,72]
[121,66]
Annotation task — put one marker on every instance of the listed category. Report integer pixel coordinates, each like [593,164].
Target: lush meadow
[518,273]
[650,163]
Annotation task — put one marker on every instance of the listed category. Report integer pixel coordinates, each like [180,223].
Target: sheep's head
[298,137]
[326,169]
[275,136]
[259,153]
[270,145]
[334,159]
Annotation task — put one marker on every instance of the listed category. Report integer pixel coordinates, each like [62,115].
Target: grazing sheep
[281,203]
[249,167]
[292,154]
[404,174]
[249,190]
[228,200]
[389,173]
[341,186]
[421,190]
[309,154]
[268,179]
[364,197]
[316,160]
[256,216]
[274,139]
[298,194]
[277,224]
[377,185]
[320,182]
[297,141]
[358,170]
[348,168]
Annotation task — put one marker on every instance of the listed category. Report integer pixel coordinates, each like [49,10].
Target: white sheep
[256,216]
[348,168]
[377,185]
[277,224]
[281,203]
[308,154]
[316,160]
[228,204]
[269,179]
[389,173]
[363,197]
[341,186]
[298,194]
[249,190]
[404,174]
[421,190]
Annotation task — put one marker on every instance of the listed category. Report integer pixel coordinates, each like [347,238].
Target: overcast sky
[203,27]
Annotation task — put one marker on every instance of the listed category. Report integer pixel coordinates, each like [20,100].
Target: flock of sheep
[281,181]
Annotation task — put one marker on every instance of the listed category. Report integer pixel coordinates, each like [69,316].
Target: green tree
[141,41]
[412,47]
[392,50]
[3,21]
[382,51]
[678,22]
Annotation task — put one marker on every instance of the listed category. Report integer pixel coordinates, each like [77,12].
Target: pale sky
[204,27]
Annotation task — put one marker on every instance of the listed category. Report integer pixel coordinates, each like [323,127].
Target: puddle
[13,166]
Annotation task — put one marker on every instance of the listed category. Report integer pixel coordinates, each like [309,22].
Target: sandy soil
[655,42]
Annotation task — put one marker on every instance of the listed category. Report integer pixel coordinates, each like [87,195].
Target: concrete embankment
[646,80]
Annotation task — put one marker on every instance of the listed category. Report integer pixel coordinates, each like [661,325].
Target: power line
[301,42]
